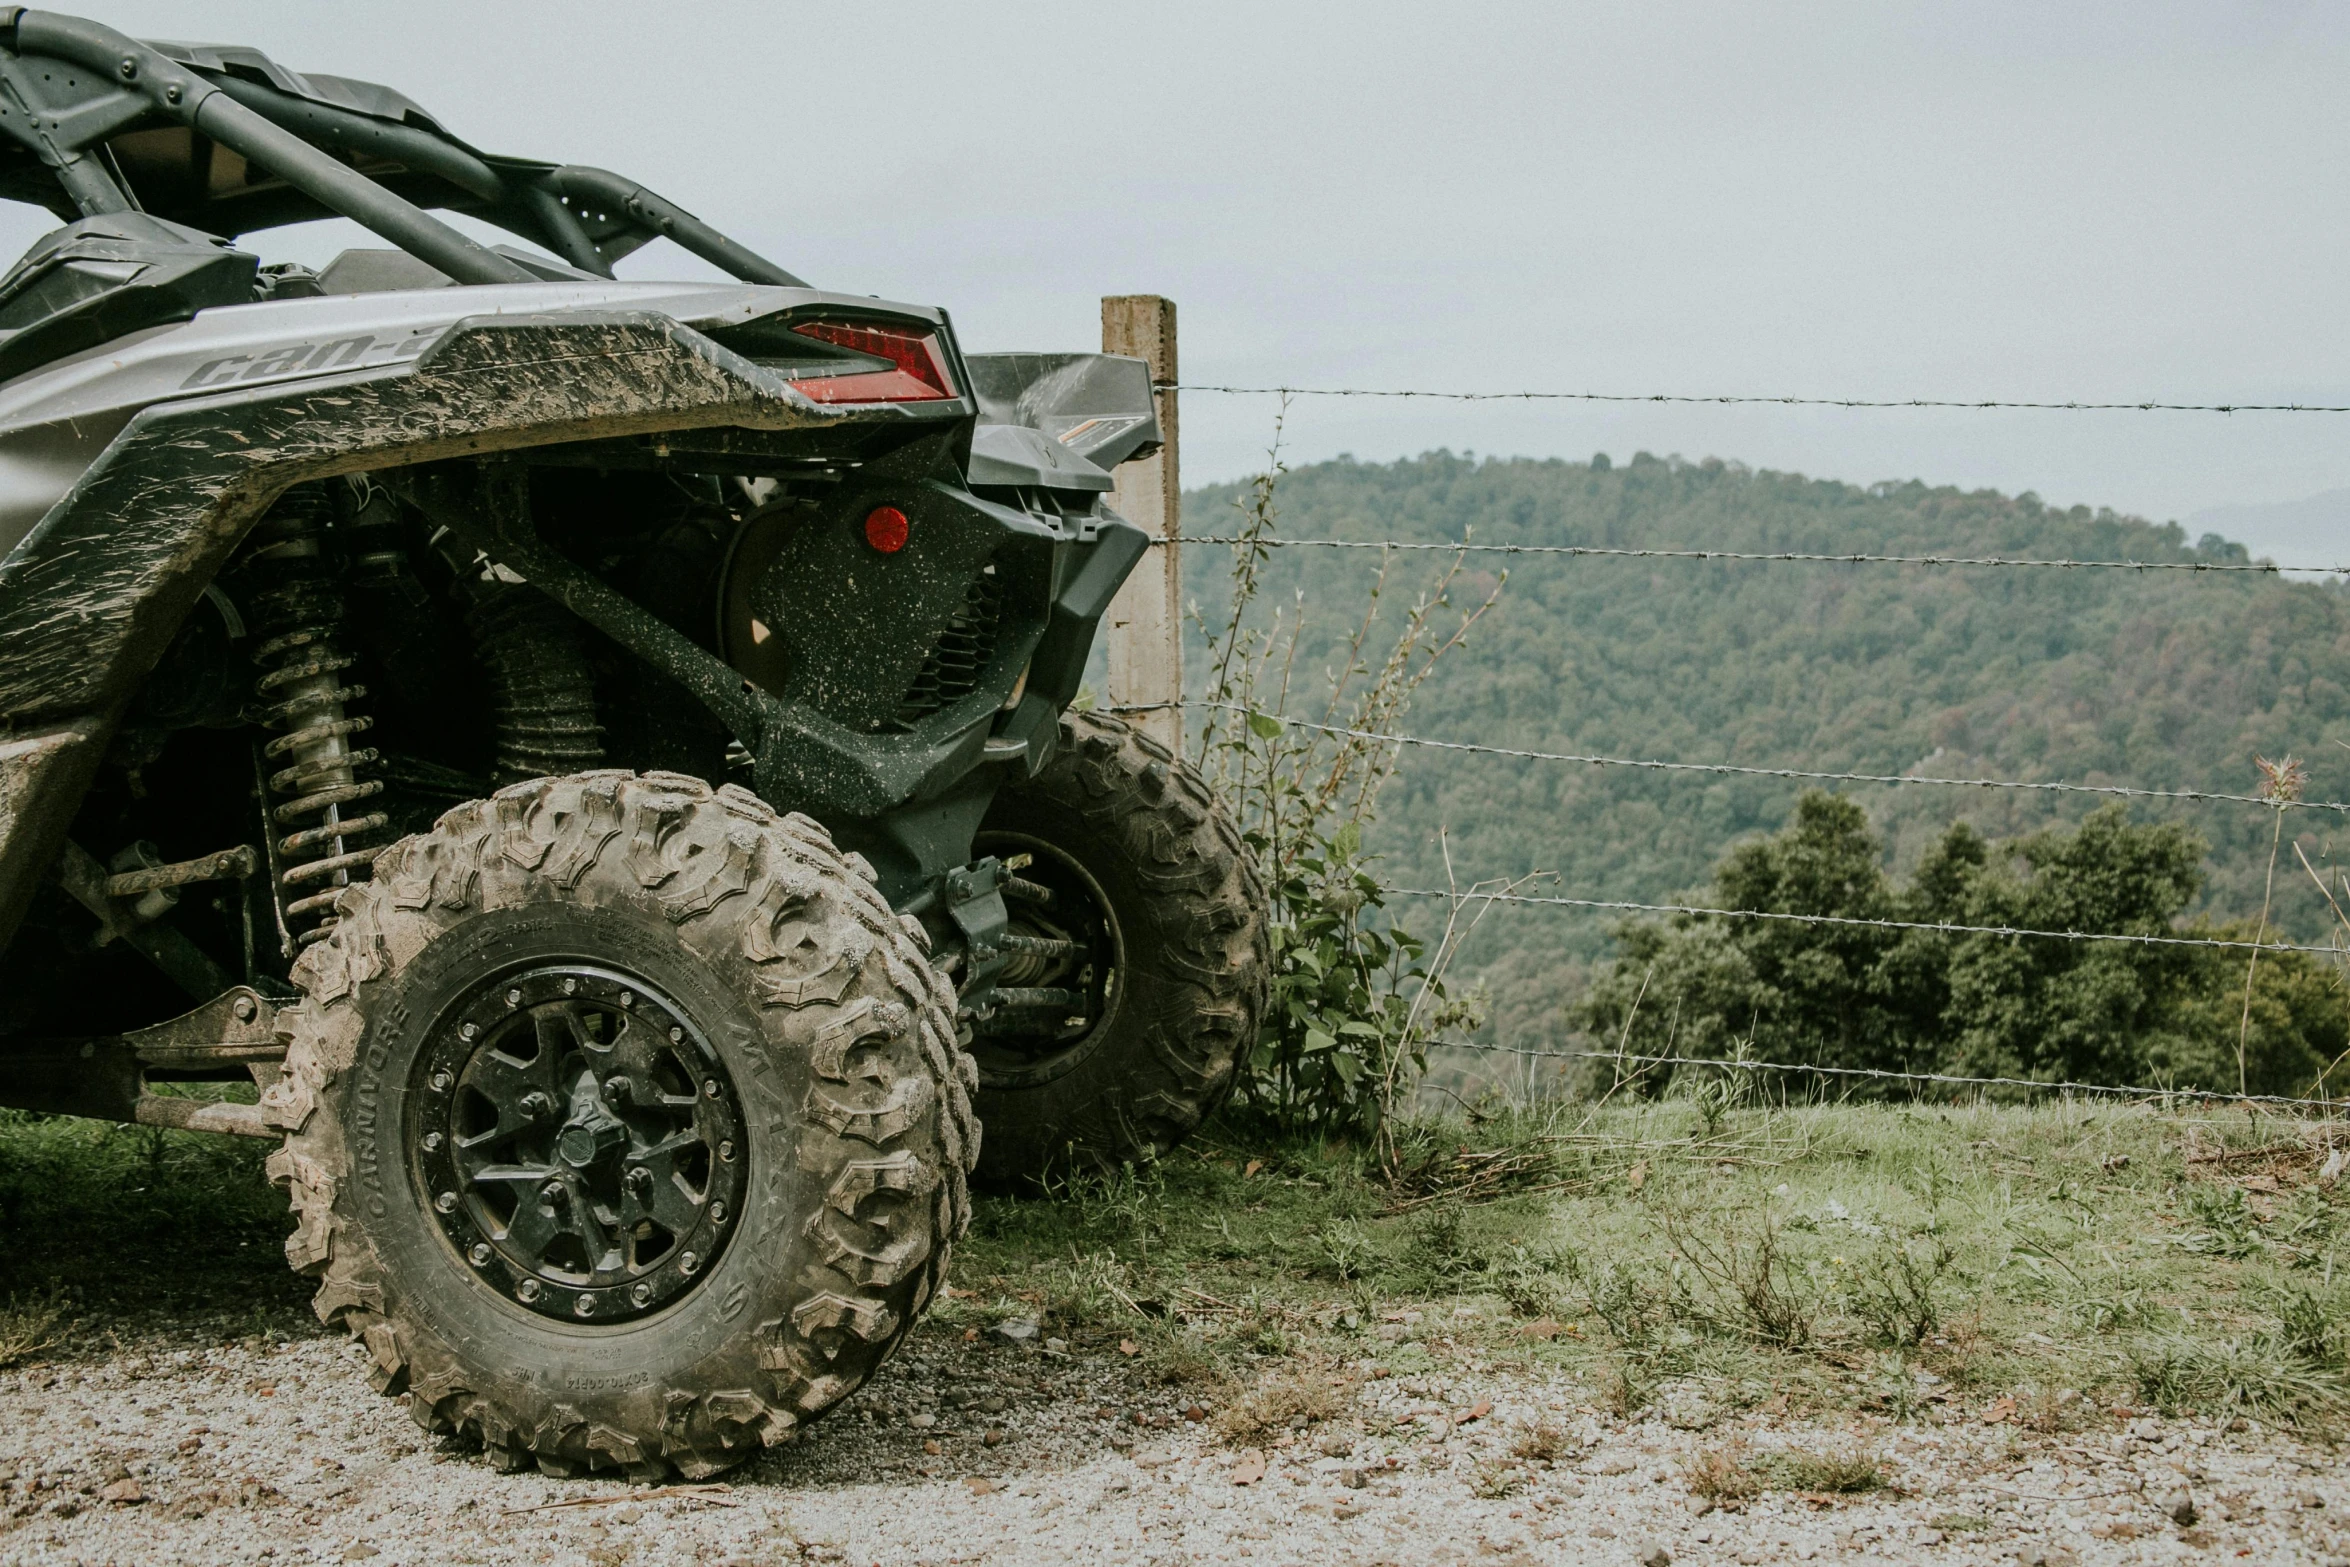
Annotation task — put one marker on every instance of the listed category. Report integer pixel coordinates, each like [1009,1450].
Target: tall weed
[1357,996]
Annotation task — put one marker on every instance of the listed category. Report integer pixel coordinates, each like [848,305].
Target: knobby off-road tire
[828,1045]
[1116,818]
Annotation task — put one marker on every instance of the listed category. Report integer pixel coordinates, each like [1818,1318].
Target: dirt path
[249,1452]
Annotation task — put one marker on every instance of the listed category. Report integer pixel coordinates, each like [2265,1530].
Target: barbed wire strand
[2146,405]
[1621,906]
[2204,1095]
[2123,791]
[1470,547]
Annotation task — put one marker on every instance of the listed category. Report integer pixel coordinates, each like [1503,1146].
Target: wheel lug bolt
[639,1179]
[528,1289]
[641,1294]
[688,1263]
[616,1087]
[552,1191]
[726,1152]
[537,1106]
[585,1306]
[432,1142]
[446,1202]
[441,1081]
[717,1213]
[480,1254]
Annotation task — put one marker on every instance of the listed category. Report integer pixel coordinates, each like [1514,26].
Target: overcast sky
[1962,200]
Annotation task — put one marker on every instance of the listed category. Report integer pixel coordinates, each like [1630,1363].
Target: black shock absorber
[298,603]
[541,687]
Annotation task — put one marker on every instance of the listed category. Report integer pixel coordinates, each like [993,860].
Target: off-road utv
[596,754]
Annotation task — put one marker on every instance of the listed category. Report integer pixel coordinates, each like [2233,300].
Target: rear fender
[91,597]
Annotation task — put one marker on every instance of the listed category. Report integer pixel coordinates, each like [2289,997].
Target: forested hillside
[2161,678]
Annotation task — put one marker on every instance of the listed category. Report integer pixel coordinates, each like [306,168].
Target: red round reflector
[885,529]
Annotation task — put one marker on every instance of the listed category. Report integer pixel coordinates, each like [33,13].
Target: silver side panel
[54,421]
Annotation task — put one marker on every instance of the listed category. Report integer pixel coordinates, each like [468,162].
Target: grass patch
[1721,1475]
[113,1228]
[1292,1400]
[27,1328]
[1920,1262]
[1545,1441]
[1836,1472]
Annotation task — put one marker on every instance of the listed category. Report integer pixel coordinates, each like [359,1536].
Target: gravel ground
[247,1451]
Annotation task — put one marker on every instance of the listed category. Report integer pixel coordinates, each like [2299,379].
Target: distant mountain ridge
[2166,679]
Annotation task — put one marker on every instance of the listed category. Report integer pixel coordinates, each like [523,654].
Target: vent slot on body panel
[956,660]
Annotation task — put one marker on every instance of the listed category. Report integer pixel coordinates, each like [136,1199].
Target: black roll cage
[227,141]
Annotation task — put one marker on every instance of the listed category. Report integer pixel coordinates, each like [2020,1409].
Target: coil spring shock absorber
[299,604]
[542,690]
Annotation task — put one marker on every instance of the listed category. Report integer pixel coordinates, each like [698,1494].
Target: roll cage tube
[588,217]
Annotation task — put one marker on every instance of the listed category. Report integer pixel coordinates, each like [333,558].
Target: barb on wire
[1913,1077]
[2124,791]
[1465,546]
[1847,919]
[2147,405]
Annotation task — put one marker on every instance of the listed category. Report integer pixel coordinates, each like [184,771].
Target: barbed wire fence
[1771,399]
[2261,568]
[1735,1064]
[2169,1097]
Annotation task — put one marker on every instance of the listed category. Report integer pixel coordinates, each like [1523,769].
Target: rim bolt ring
[717,1213]
[585,1306]
[726,1152]
[711,1088]
[469,1031]
[446,1202]
[513,998]
[527,1290]
[480,1254]
[641,1294]
[688,1263]
[432,1142]
[441,1081]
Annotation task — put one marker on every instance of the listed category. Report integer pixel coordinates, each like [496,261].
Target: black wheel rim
[1066,951]
[578,1141]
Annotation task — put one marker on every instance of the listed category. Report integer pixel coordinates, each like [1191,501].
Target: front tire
[1150,883]
[626,1125]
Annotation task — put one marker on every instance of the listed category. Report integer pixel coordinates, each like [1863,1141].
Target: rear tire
[1150,879]
[626,1126]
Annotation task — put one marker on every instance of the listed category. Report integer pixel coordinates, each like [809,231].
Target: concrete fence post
[1146,618]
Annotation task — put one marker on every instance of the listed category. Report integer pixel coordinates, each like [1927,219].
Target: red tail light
[918,372]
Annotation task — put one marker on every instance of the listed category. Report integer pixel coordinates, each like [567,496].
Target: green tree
[1969,1002]
[2082,1011]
